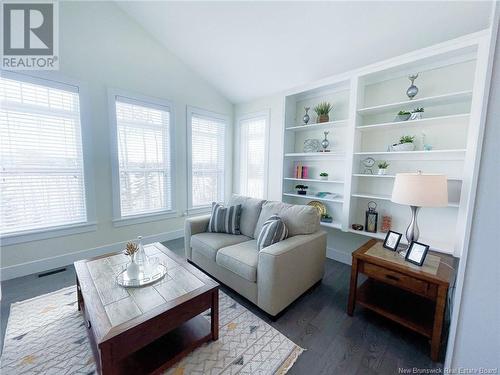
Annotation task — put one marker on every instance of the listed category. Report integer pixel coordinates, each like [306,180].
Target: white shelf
[312,197]
[333,224]
[450,98]
[457,154]
[323,155]
[409,123]
[393,176]
[373,196]
[317,126]
[313,180]
[388,198]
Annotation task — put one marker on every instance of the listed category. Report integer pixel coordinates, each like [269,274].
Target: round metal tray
[155,273]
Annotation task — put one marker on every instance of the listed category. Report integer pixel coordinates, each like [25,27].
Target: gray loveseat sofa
[278,274]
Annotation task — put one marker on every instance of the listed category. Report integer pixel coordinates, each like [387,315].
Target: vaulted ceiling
[253,49]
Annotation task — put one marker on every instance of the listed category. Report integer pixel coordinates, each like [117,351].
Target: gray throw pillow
[273,230]
[225,219]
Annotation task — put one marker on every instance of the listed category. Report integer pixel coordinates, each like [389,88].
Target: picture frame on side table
[392,240]
[416,253]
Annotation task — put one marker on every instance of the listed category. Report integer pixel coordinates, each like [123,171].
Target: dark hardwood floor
[335,343]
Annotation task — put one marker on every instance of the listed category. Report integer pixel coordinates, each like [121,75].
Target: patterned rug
[46,335]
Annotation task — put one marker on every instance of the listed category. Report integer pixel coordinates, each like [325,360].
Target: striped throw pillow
[225,219]
[273,230]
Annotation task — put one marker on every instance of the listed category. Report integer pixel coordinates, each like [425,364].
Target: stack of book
[301,171]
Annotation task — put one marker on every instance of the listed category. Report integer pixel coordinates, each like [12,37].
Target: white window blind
[252,156]
[42,176]
[144,160]
[207,160]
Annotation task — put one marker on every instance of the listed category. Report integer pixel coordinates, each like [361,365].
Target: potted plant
[326,218]
[323,110]
[382,167]
[405,144]
[301,189]
[402,116]
[323,176]
[417,114]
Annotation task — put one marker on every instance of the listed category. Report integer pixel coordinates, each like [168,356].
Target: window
[42,184]
[253,155]
[206,157]
[142,168]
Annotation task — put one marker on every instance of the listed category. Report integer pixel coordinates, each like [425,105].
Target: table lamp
[419,190]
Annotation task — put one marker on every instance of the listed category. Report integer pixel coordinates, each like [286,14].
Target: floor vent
[51,272]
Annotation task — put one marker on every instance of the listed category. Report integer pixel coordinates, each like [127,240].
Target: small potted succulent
[323,111]
[405,144]
[417,114]
[402,116]
[301,189]
[323,176]
[382,167]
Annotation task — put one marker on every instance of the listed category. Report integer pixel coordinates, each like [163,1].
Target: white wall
[477,342]
[102,47]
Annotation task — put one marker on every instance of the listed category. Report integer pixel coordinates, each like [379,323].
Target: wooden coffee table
[145,330]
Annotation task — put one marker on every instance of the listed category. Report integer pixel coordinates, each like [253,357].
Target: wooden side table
[412,296]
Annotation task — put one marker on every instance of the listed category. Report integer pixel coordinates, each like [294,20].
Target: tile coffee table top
[123,304]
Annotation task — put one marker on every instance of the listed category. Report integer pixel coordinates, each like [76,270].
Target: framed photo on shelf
[392,239]
[416,253]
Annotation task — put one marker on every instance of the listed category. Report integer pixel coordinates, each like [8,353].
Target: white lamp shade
[421,190]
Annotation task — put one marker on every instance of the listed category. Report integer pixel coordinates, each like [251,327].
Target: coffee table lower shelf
[405,308]
[167,350]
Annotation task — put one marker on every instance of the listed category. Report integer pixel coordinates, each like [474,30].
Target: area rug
[46,335]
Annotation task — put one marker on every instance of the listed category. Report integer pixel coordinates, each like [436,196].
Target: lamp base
[412,232]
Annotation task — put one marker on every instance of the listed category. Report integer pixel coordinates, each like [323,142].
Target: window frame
[190,111]
[266,115]
[58,81]
[118,220]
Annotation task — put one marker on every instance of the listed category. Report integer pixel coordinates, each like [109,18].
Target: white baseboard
[46,264]
[339,256]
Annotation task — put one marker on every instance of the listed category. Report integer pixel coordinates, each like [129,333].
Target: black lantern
[371,218]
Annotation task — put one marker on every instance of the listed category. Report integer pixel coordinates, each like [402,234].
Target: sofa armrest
[288,268]
[194,225]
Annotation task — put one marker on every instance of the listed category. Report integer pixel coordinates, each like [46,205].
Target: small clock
[368,163]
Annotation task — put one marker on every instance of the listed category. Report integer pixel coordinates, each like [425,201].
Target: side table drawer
[395,278]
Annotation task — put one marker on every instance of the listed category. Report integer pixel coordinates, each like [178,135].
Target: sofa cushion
[225,219]
[241,259]
[299,219]
[208,244]
[273,230]
[250,211]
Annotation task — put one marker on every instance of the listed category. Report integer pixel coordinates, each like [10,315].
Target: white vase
[403,147]
[133,269]
[324,178]
[140,257]
[382,171]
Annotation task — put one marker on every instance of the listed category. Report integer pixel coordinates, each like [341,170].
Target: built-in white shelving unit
[432,121]
[364,124]
[324,155]
[312,197]
[335,225]
[450,98]
[450,178]
[314,180]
